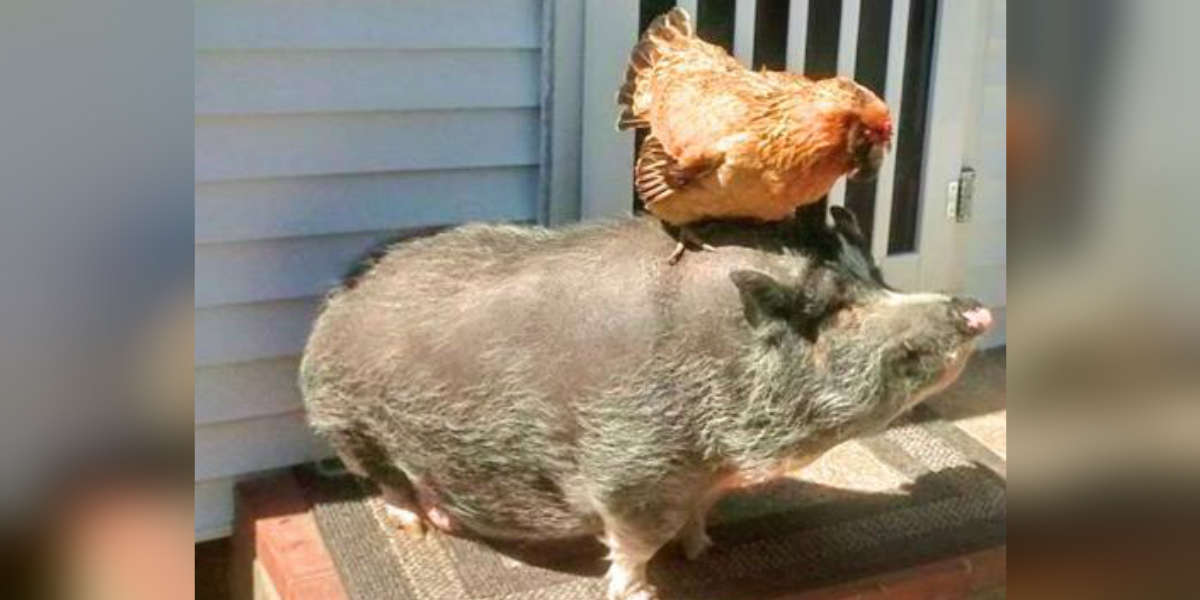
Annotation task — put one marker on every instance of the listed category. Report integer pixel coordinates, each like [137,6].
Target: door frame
[939,263]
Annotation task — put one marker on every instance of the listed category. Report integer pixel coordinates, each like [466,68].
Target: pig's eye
[908,358]
[913,352]
[835,310]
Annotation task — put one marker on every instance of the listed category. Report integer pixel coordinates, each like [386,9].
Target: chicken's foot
[687,239]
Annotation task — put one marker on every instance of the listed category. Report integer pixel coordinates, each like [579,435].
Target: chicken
[726,142]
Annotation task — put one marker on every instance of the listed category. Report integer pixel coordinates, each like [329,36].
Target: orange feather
[728,142]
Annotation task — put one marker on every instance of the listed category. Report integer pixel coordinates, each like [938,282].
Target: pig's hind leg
[402,510]
[411,507]
[400,506]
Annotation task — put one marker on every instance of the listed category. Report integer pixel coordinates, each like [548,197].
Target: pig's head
[863,347]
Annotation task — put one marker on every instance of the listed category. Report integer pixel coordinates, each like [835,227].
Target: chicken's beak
[862,175]
[866,162]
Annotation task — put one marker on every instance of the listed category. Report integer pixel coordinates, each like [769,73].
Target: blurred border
[1105,390]
[96,255]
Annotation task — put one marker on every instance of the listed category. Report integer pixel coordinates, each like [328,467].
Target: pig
[520,382]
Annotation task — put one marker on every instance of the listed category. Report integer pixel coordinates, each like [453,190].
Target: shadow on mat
[784,508]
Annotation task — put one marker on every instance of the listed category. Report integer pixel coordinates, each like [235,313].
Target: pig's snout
[971,317]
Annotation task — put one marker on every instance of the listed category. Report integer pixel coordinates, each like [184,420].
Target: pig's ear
[824,293]
[763,297]
[846,223]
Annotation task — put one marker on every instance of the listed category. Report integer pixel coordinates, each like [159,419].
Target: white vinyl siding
[323,128]
[294,81]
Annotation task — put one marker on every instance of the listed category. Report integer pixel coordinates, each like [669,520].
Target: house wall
[322,128]
[986,238]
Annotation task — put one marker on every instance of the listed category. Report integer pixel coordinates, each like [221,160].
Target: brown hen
[726,142]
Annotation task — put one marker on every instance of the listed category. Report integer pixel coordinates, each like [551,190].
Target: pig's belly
[512,507]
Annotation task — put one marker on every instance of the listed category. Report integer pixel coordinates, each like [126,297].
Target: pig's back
[516,294]
[461,355]
[551,312]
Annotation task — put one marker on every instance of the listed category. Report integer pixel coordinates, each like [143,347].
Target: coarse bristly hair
[535,382]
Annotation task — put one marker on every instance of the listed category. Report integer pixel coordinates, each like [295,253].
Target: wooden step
[279,553]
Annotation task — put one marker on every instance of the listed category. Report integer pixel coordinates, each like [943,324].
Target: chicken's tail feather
[664,33]
[652,172]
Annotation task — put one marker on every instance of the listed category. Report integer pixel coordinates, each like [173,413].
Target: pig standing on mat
[521,382]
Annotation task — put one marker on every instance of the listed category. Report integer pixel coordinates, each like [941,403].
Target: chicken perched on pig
[727,142]
[520,382]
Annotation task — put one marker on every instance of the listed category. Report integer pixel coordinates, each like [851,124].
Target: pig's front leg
[693,538]
[632,540]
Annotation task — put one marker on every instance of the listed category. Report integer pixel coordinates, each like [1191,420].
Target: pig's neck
[795,406]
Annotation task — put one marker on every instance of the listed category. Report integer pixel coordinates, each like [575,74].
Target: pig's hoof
[635,591]
[694,545]
[405,520]
[439,518]
[643,594]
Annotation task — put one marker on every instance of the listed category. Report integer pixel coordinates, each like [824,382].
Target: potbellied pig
[523,382]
